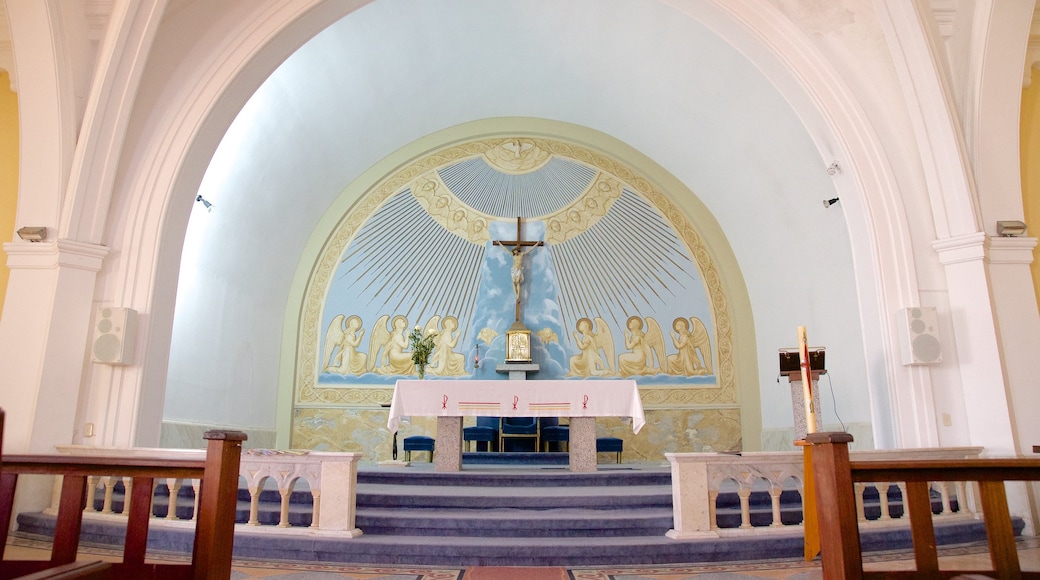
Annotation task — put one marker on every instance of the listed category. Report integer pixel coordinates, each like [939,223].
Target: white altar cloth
[578,398]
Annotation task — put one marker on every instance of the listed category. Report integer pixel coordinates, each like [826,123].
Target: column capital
[967,248]
[57,254]
[1004,250]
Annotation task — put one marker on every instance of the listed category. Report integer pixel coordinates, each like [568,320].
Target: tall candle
[803,355]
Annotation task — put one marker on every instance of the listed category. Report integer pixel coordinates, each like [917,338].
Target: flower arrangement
[422,345]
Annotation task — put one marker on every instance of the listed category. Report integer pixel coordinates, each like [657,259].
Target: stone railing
[698,478]
[330,477]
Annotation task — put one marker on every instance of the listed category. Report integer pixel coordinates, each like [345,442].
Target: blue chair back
[519,425]
[492,422]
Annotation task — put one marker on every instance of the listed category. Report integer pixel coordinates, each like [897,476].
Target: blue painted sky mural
[613,292]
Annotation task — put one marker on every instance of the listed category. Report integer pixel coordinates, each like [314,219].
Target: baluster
[52,509]
[774,496]
[286,493]
[861,509]
[174,485]
[944,493]
[713,498]
[962,497]
[128,486]
[744,493]
[92,481]
[110,486]
[801,494]
[195,505]
[254,504]
[883,498]
[316,495]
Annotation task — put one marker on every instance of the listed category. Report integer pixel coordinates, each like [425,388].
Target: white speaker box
[920,342]
[114,332]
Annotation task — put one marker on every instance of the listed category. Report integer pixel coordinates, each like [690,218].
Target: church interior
[231,215]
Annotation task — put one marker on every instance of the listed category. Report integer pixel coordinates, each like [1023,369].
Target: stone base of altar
[581,447]
[448,456]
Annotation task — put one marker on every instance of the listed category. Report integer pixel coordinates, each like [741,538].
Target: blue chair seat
[553,432]
[418,443]
[485,431]
[610,445]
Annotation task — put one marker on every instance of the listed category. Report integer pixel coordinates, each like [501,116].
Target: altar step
[506,517]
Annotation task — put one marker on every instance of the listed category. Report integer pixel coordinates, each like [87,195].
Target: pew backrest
[214,529]
[835,475]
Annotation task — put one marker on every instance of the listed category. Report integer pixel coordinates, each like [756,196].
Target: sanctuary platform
[513,515]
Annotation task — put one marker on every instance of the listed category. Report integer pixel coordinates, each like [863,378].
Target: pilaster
[44,335]
[977,343]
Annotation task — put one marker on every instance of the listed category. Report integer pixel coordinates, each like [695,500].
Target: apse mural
[606,280]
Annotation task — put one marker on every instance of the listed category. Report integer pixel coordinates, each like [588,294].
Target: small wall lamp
[33,233]
[1011,229]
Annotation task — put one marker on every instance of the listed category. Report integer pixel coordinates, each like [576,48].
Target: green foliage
[422,345]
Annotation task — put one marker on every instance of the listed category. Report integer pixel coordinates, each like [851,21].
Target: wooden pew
[835,474]
[215,521]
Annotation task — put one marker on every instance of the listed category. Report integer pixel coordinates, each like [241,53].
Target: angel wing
[655,344]
[377,341]
[333,340]
[603,339]
[431,326]
[701,341]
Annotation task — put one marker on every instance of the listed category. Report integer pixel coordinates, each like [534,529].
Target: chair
[518,428]
[553,432]
[486,431]
[610,445]
[418,443]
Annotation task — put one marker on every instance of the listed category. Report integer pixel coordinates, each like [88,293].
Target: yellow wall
[8,173]
[1030,143]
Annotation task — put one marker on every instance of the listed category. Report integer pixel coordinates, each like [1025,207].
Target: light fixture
[205,202]
[830,202]
[1011,229]
[33,233]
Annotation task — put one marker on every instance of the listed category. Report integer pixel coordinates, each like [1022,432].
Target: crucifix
[517,271]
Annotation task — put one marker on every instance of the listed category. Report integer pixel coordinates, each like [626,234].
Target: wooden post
[833,479]
[215,526]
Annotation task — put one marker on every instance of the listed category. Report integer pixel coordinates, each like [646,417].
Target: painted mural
[612,280]
[608,291]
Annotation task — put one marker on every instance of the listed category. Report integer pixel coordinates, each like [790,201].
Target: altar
[582,401]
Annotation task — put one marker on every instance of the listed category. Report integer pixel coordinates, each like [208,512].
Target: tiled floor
[972,557]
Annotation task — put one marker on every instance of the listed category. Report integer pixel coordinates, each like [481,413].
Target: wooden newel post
[836,505]
[215,523]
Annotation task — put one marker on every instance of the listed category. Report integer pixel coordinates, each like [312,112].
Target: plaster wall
[8,173]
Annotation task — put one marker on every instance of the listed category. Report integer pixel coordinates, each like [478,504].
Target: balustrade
[334,472]
[698,479]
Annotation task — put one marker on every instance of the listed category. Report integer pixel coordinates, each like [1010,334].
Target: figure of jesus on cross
[518,252]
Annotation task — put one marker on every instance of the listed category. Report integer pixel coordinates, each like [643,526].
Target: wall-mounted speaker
[921,344]
[114,332]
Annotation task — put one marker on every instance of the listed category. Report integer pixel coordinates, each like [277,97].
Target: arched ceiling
[394,72]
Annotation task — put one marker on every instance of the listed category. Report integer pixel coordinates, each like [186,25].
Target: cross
[517,271]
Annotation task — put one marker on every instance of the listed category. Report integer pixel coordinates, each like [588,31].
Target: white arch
[173,136]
